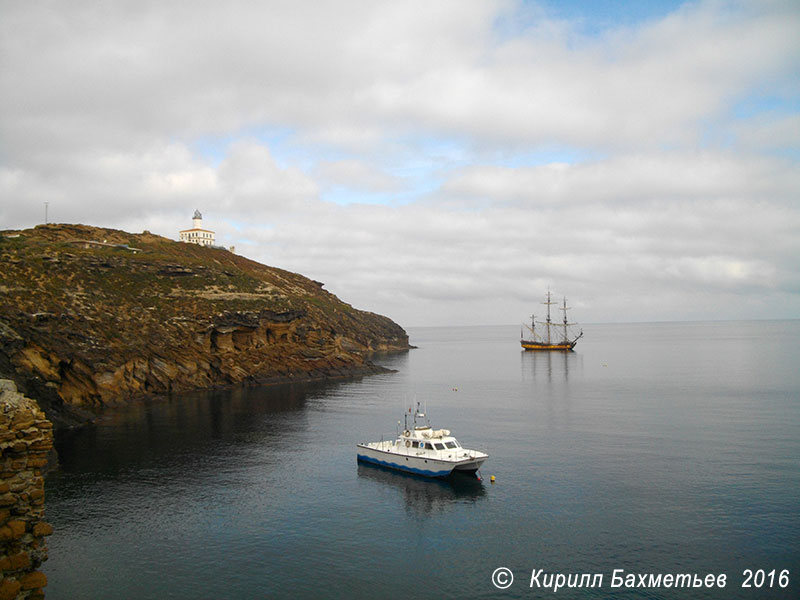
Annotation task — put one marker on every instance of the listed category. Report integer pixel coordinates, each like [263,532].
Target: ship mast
[564,308]
[532,329]
[548,322]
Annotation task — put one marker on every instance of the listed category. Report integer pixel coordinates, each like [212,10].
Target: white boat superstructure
[422,450]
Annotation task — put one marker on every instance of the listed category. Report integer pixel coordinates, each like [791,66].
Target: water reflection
[156,434]
[252,493]
[397,361]
[425,497]
[549,365]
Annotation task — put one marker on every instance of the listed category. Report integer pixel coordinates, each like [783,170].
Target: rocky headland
[92,318]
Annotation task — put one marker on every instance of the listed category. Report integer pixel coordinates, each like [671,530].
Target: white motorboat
[422,450]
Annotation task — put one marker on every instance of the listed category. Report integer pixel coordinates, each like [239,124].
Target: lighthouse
[197,235]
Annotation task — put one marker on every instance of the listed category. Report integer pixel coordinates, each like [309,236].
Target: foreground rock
[91,318]
[26,437]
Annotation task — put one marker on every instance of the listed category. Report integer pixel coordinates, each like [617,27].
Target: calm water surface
[654,448]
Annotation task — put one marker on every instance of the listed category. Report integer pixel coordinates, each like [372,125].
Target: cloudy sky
[439,162]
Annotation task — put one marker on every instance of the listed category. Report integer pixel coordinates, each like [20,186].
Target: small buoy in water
[491,478]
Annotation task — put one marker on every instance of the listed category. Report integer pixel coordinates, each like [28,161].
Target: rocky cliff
[94,317]
[26,437]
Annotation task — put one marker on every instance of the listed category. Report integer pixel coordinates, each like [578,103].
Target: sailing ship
[553,336]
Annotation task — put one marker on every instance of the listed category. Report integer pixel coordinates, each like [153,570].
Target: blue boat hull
[406,468]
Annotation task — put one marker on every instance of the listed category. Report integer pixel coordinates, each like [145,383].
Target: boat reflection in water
[549,366]
[424,496]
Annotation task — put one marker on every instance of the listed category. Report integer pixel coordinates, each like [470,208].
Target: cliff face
[94,317]
[25,439]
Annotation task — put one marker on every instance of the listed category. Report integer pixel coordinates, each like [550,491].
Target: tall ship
[550,335]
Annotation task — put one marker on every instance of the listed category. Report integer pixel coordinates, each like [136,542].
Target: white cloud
[356,174]
[687,207]
[769,132]
[254,185]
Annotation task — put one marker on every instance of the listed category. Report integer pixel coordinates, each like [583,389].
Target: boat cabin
[425,439]
[450,444]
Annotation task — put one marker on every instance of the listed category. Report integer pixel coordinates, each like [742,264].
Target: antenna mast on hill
[45,212]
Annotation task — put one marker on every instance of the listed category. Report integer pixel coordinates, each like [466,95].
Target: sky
[441,163]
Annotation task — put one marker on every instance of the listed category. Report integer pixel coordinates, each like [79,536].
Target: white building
[197,235]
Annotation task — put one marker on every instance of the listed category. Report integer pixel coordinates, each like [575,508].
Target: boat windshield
[453,444]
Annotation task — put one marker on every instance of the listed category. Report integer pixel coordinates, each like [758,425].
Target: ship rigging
[553,336]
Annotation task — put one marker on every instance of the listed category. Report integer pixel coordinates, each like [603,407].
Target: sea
[652,452]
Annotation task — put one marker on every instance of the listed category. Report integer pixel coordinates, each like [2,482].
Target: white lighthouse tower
[197,235]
